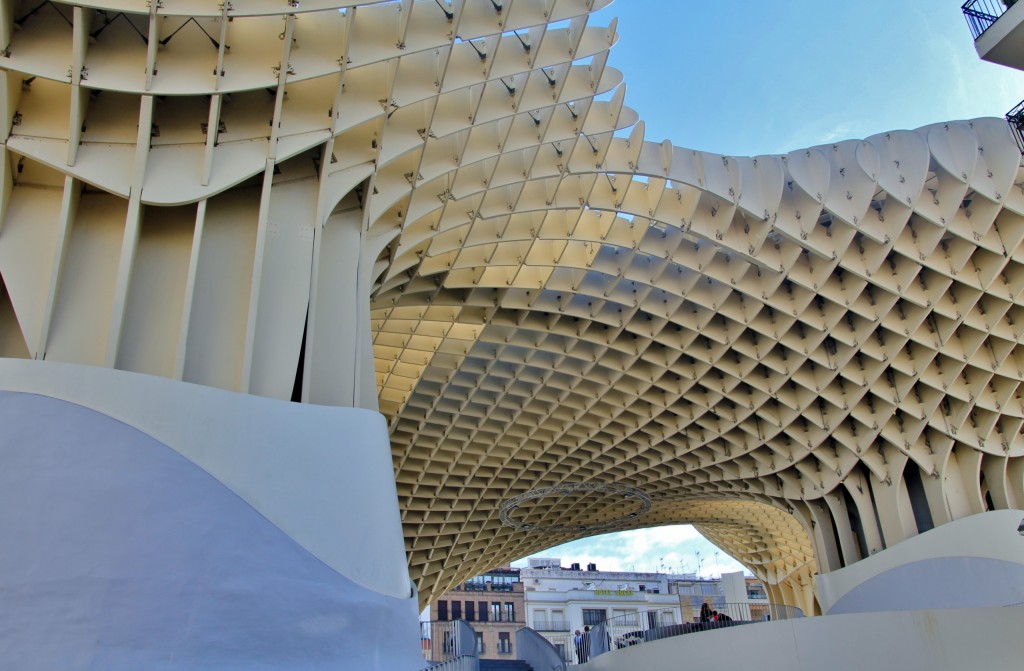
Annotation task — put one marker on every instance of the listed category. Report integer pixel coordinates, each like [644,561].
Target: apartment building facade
[493,605]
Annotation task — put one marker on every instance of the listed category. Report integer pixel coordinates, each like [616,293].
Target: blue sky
[748,78]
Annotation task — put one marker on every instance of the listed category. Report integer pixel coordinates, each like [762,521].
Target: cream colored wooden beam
[68,212]
[132,224]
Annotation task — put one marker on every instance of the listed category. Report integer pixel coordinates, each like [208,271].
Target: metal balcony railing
[981,14]
[1016,119]
[477,587]
[551,625]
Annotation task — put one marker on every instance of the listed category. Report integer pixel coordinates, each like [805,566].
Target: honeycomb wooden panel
[811,357]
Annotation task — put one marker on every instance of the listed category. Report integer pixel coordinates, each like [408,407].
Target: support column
[826,547]
[895,513]
[859,488]
[339,351]
[841,518]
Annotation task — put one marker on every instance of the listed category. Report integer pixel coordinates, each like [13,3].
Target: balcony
[473,586]
[551,625]
[998,30]
[1016,119]
[981,14]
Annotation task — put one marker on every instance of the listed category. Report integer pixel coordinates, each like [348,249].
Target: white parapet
[936,640]
[975,561]
[151,524]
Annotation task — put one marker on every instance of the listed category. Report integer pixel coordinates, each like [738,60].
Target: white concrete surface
[937,640]
[323,475]
[975,561]
[118,554]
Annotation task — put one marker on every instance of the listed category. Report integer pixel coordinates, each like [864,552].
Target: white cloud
[663,549]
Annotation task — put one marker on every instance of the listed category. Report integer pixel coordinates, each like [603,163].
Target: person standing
[577,640]
[585,645]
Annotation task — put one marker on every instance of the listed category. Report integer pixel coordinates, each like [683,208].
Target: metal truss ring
[510,505]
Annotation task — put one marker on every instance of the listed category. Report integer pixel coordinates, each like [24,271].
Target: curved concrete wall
[935,640]
[942,582]
[323,475]
[120,554]
[973,562]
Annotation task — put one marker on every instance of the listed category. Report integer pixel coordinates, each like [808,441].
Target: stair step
[504,665]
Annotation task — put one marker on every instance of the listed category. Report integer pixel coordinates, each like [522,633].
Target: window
[442,610]
[470,611]
[592,616]
[707,589]
[482,611]
[510,612]
[540,619]
[504,643]
[479,643]
[495,611]
[625,617]
[558,620]
[502,583]
[643,588]
[456,610]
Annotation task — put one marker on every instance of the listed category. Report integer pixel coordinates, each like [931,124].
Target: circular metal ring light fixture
[511,505]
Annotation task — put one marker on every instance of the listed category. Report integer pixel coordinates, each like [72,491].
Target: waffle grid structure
[445,211]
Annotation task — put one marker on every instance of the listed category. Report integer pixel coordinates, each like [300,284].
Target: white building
[560,601]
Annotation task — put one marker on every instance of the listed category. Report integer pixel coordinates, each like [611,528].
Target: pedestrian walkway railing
[981,14]
[538,651]
[449,646]
[564,645]
[571,650]
[642,627]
